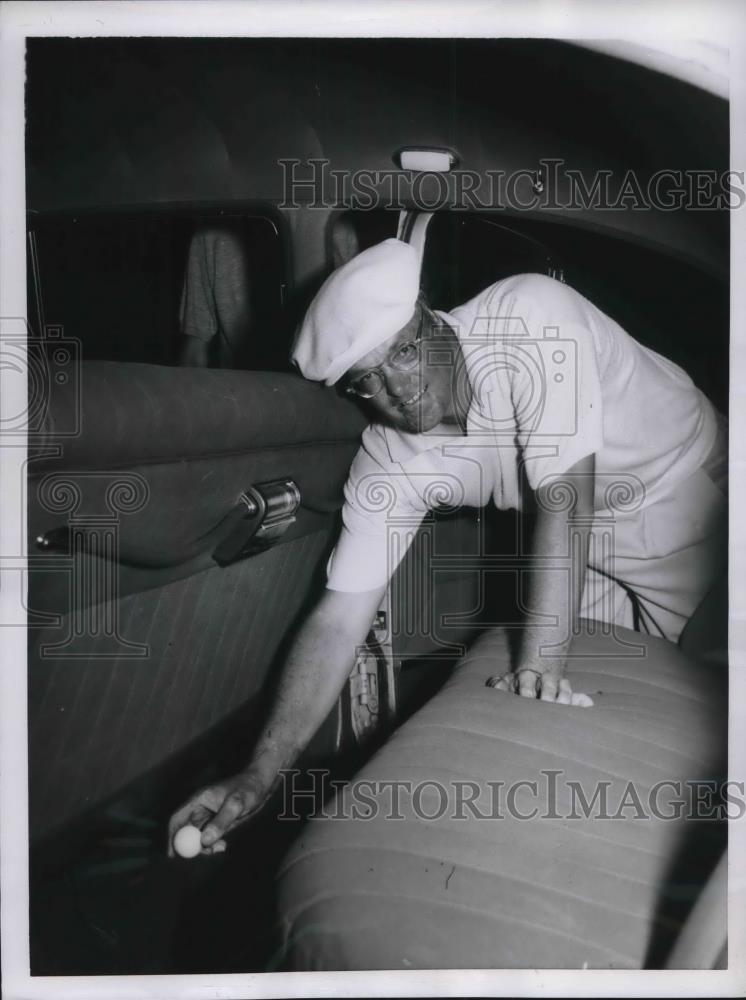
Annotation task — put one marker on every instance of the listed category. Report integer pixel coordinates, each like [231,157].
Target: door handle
[268,511]
[260,518]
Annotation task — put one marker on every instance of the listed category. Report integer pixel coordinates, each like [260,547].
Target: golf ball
[188,842]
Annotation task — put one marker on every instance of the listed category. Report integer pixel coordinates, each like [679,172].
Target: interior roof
[142,122]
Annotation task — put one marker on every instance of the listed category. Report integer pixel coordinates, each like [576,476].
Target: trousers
[651,569]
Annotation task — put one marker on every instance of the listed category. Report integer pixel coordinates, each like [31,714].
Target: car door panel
[100,715]
[140,642]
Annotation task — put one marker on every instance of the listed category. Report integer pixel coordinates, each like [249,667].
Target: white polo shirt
[552,381]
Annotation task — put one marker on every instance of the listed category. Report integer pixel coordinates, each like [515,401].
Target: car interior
[180,519]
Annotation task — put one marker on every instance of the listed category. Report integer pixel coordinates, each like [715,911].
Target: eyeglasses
[404,358]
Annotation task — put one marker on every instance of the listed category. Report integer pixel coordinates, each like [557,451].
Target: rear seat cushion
[471,892]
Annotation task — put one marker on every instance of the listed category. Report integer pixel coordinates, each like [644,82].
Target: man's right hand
[218,809]
[314,673]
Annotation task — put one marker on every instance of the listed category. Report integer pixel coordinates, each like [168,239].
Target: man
[526,396]
[216,311]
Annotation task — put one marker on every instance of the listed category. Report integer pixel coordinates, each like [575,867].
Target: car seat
[448,888]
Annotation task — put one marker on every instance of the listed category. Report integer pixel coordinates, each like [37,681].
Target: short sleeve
[380,518]
[554,384]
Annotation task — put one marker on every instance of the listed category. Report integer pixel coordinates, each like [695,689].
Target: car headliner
[134,123]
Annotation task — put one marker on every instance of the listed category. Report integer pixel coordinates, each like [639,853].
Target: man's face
[419,398]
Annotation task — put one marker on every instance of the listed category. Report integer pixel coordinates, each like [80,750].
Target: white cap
[360,306]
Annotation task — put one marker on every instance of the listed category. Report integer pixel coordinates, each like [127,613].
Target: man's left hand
[545,686]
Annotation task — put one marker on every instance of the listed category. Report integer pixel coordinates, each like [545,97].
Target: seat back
[489,857]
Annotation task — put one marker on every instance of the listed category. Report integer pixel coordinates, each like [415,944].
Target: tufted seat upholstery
[463,891]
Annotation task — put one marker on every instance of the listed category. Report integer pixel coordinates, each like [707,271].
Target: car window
[131,288]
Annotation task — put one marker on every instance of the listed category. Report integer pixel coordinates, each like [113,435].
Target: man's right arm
[316,668]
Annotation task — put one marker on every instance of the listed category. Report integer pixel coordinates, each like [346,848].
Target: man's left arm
[560,556]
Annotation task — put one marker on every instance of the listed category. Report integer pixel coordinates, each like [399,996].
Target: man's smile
[413,399]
